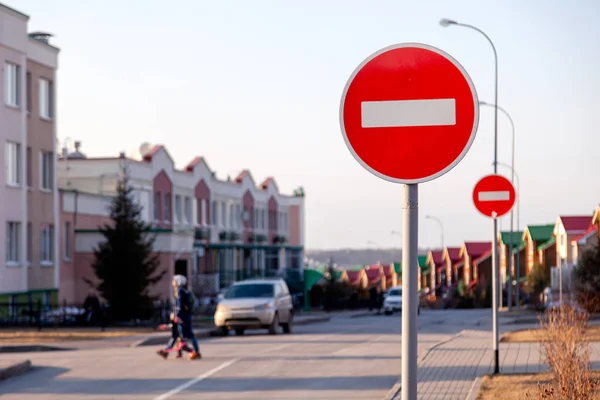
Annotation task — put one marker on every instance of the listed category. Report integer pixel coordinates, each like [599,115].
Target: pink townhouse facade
[29,270]
[214,231]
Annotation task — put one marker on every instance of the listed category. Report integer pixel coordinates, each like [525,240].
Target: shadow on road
[37,382]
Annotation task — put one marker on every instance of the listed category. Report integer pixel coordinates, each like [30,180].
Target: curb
[309,321]
[359,315]
[16,369]
[474,391]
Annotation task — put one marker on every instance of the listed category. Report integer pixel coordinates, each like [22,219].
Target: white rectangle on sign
[403,113]
[494,196]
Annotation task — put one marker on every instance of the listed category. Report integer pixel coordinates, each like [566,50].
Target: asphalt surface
[346,358]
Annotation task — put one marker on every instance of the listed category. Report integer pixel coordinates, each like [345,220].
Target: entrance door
[181,267]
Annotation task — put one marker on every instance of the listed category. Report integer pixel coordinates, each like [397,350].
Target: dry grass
[516,387]
[590,334]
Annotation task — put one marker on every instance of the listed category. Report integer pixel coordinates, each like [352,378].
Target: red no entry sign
[494,196]
[409,113]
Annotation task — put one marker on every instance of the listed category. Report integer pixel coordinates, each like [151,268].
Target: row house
[453,263]
[596,220]
[566,229]
[423,268]
[214,231]
[469,252]
[539,247]
[504,258]
[435,263]
[29,212]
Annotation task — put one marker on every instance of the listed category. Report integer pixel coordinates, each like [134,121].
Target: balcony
[279,239]
[257,238]
[233,236]
[224,235]
[202,234]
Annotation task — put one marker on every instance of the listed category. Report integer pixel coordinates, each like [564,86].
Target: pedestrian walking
[181,318]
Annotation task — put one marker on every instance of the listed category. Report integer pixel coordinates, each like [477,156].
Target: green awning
[398,268]
[337,275]
[517,238]
[311,277]
[422,260]
[541,233]
[548,243]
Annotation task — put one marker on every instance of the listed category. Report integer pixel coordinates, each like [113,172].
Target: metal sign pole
[410,293]
[495,294]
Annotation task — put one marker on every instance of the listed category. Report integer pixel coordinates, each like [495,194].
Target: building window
[47,169]
[45,98]
[215,212]
[67,238]
[238,216]
[47,244]
[167,207]
[12,84]
[178,211]
[203,212]
[28,89]
[12,242]
[13,163]
[187,206]
[157,206]
[29,166]
[29,242]
[223,214]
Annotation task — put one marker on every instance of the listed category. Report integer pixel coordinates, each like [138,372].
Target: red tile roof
[476,249]
[388,270]
[190,167]
[373,272]
[576,224]
[483,257]
[453,253]
[266,183]
[148,156]
[241,176]
[436,256]
[592,228]
[353,276]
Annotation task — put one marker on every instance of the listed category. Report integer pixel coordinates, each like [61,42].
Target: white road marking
[221,367]
[403,113]
[494,196]
[197,379]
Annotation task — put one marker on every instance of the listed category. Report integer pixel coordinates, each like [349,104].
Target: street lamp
[446,23]
[440,224]
[512,166]
[517,271]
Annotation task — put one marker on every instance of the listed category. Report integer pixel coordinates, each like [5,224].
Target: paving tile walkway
[448,370]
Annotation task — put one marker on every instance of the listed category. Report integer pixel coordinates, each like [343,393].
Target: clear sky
[256,84]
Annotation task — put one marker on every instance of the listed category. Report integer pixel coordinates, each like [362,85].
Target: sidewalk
[447,371]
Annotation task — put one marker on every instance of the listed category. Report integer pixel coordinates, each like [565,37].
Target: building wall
[13,49]
[24,202]
[40,139]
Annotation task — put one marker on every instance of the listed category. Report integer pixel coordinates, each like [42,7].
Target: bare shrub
[568,355]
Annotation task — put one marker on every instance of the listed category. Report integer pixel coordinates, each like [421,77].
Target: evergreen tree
[125,263]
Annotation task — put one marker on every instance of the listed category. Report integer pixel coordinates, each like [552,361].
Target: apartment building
[214,231]
[29,194]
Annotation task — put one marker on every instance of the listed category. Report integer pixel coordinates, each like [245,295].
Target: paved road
[347,358]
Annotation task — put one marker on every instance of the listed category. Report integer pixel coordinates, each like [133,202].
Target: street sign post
[401,102]
[494,196]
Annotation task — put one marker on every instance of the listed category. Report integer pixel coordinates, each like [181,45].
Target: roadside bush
[567,355]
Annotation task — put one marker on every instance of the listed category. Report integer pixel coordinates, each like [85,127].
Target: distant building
[213,231]
[29,212]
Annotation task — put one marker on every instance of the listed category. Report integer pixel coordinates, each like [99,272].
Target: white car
[393,301]
[255,304]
